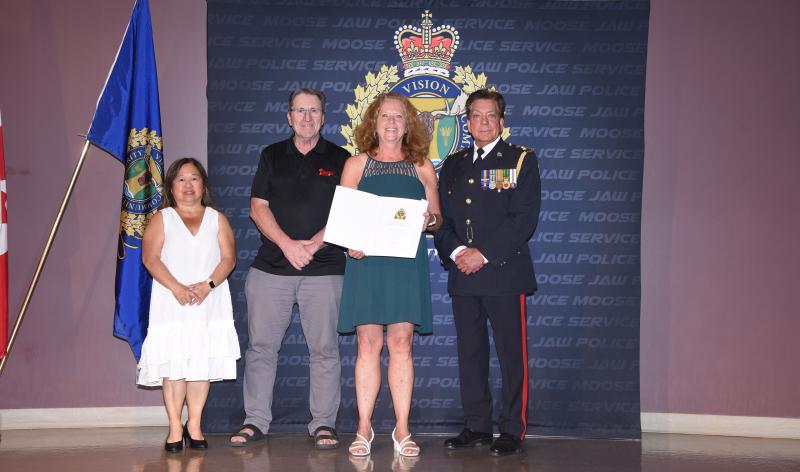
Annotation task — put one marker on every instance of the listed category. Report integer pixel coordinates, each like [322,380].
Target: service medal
[506,179]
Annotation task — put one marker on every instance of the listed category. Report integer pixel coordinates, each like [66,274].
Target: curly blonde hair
[415,142]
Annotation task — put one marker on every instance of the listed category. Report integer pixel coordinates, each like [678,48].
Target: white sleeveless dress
[197,342]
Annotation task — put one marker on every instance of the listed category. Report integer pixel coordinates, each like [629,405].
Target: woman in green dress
[390,294]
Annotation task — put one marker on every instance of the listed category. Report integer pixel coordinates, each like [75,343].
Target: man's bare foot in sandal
[248,434]
[325,437]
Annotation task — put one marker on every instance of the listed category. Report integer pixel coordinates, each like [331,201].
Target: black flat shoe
[468,438]
[176,446]
[193,443]
[506,445]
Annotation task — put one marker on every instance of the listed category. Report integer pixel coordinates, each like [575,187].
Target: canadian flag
[3,252]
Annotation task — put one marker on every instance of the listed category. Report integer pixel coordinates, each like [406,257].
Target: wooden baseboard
[111,417]
[719,425]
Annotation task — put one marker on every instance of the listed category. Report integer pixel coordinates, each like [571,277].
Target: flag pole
[45,253]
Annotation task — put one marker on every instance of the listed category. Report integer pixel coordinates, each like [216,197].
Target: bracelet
[433,223]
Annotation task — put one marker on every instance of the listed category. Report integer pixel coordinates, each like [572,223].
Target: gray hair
[307,91]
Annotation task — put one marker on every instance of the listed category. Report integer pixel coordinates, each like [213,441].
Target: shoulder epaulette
[522,148]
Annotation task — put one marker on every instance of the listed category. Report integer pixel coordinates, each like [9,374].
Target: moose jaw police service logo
[426,54]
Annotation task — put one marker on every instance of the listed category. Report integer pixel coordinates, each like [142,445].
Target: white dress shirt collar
[486,149]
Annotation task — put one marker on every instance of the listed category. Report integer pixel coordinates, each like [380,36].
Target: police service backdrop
[572,73]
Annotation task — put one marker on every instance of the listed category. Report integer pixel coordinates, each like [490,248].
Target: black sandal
[248,438]
[330,434]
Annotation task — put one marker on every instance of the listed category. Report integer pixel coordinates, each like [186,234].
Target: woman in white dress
[188,248]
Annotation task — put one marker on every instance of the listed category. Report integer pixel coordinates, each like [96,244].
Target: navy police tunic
[492,205]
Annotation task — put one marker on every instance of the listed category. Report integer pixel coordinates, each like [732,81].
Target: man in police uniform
[289,202]
[490,195]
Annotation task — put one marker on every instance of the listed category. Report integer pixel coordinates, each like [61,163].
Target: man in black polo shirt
[289,203]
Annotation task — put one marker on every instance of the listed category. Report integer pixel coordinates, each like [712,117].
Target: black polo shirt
[299,189]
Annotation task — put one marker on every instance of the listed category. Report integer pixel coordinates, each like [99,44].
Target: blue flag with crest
[127,125]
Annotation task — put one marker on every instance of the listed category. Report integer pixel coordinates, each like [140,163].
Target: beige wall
[721,212]
[54,58]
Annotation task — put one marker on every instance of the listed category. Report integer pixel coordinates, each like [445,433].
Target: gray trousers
[270,299]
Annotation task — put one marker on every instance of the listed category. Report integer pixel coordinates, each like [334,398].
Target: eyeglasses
[491,116]
[303,111]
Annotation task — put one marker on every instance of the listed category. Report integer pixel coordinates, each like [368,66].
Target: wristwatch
[211,284]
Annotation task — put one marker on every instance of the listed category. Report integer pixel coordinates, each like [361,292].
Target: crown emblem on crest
[426,54]
[426,50]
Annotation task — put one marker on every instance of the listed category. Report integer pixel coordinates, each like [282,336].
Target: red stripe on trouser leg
[524,330]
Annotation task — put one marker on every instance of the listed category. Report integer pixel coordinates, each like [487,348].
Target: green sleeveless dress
[386,290]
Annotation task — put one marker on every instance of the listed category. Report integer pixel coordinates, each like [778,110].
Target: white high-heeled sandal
[362,443]
[406,444]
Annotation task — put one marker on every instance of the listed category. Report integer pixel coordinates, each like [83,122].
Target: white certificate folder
[379,226]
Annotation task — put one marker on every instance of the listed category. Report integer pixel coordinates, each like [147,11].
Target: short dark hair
[484,94]
[172,173]
[307,91]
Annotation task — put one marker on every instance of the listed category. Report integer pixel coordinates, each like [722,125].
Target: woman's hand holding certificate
[378,226]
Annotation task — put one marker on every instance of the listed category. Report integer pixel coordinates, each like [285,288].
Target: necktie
[480,155]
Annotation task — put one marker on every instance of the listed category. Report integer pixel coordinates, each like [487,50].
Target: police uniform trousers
[508,321]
